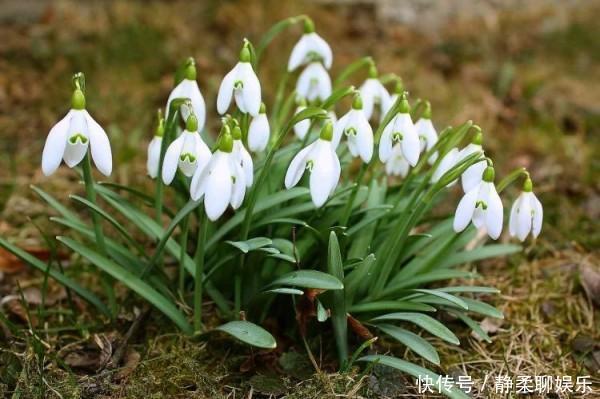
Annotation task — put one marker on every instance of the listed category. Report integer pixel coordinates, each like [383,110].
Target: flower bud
[528,185]
[191,124]
[245,53]
[404,105]
[78,100]
[190,69]
[489,174]
[327,131]
[226,141]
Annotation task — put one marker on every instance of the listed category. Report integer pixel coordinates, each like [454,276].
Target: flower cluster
[222,177]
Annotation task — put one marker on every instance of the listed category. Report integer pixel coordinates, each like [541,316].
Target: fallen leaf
[91,355]
[491,325]
[130,363]
[359,328]
[9,263]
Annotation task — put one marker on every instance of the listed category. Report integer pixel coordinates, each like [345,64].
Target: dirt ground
[530,78]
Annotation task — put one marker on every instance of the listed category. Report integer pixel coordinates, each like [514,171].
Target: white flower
[153,160]
[221,182]
[188,152]
[188,88]
[397,165]
[482,206]
[242,84]
[472,176]
[428,136]
[242,156]
[526,216]
[311,47]
[357,129]
[70,138]
[259,131]
[301,128]
[374,93]
[314,82]
[400,132]
[321,160]
[446,163]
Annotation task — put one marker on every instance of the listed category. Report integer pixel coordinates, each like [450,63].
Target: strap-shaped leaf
[424,321]
[132,282]
[483,308]
[378,306]
[444,295]
[61,278]
[252,244]
[470,288]
[60,208]
[339,318]
[430,277]
[415,371]
[249,333]
[283,290]
[412,341]
[472,324]
[310,279]
[487,251]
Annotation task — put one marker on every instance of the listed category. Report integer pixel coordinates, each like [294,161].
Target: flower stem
[90,192]
[168,135]
[348,209]
[184,238]
[199,262]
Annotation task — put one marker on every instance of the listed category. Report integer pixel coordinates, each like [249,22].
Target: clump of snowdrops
[316,203]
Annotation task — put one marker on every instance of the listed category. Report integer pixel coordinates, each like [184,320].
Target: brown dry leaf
[590,280]
[359,328]
[15,307]
[9,263]
[89,356]
[131,361]
[491,325]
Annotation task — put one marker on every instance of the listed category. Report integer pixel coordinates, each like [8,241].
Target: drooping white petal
[78,139]
[465,210]
[301,128]
[177,92]
[203,153]
[251,89]
[99,146]
[538,215]
[54,148]
[153,158]
[494,214]
[514,212]
[245,160]
[524,218]
[397,164]
[258,133]
[226,90]
[191,90]
[323,175]
[321,47]
[219,186]
[314,82]
[385,142]
[171,160]
[298,55]
[297,166]
[410,139]
[372,92]
[198,184]
[188,157]
[363,138]
[239,185]
[339,127]
[446,163]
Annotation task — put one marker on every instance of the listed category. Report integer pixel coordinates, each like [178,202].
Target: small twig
[118,354]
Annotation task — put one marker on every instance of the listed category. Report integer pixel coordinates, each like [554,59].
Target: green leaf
[132,282]
[183,212]
[56,275]
[288,291]
[415,371]
[339,317]
[426,322]
[64,211]
[310,279]
[435,275]
[249,333]
[321,312]
[451,298]
[251,244]
[483,308]
[357,277]
[472,324]
[379,306]
[412,341]
[470,288]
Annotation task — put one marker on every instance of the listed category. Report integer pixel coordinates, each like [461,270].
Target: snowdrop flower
[427,134]
[526,214]
[400,132]
[259,131]
[241,83]
[373,93]
[221,182]
[187,152]
[447,162]
[482,206]
[70,138]
[154,147]
[314,82]
[397,165]
[472,176]
[358,131]
[301,128]
[242,156]
[188,88]
[311,47]
[323,164]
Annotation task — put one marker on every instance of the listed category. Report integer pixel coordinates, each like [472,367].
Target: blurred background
[527,72]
